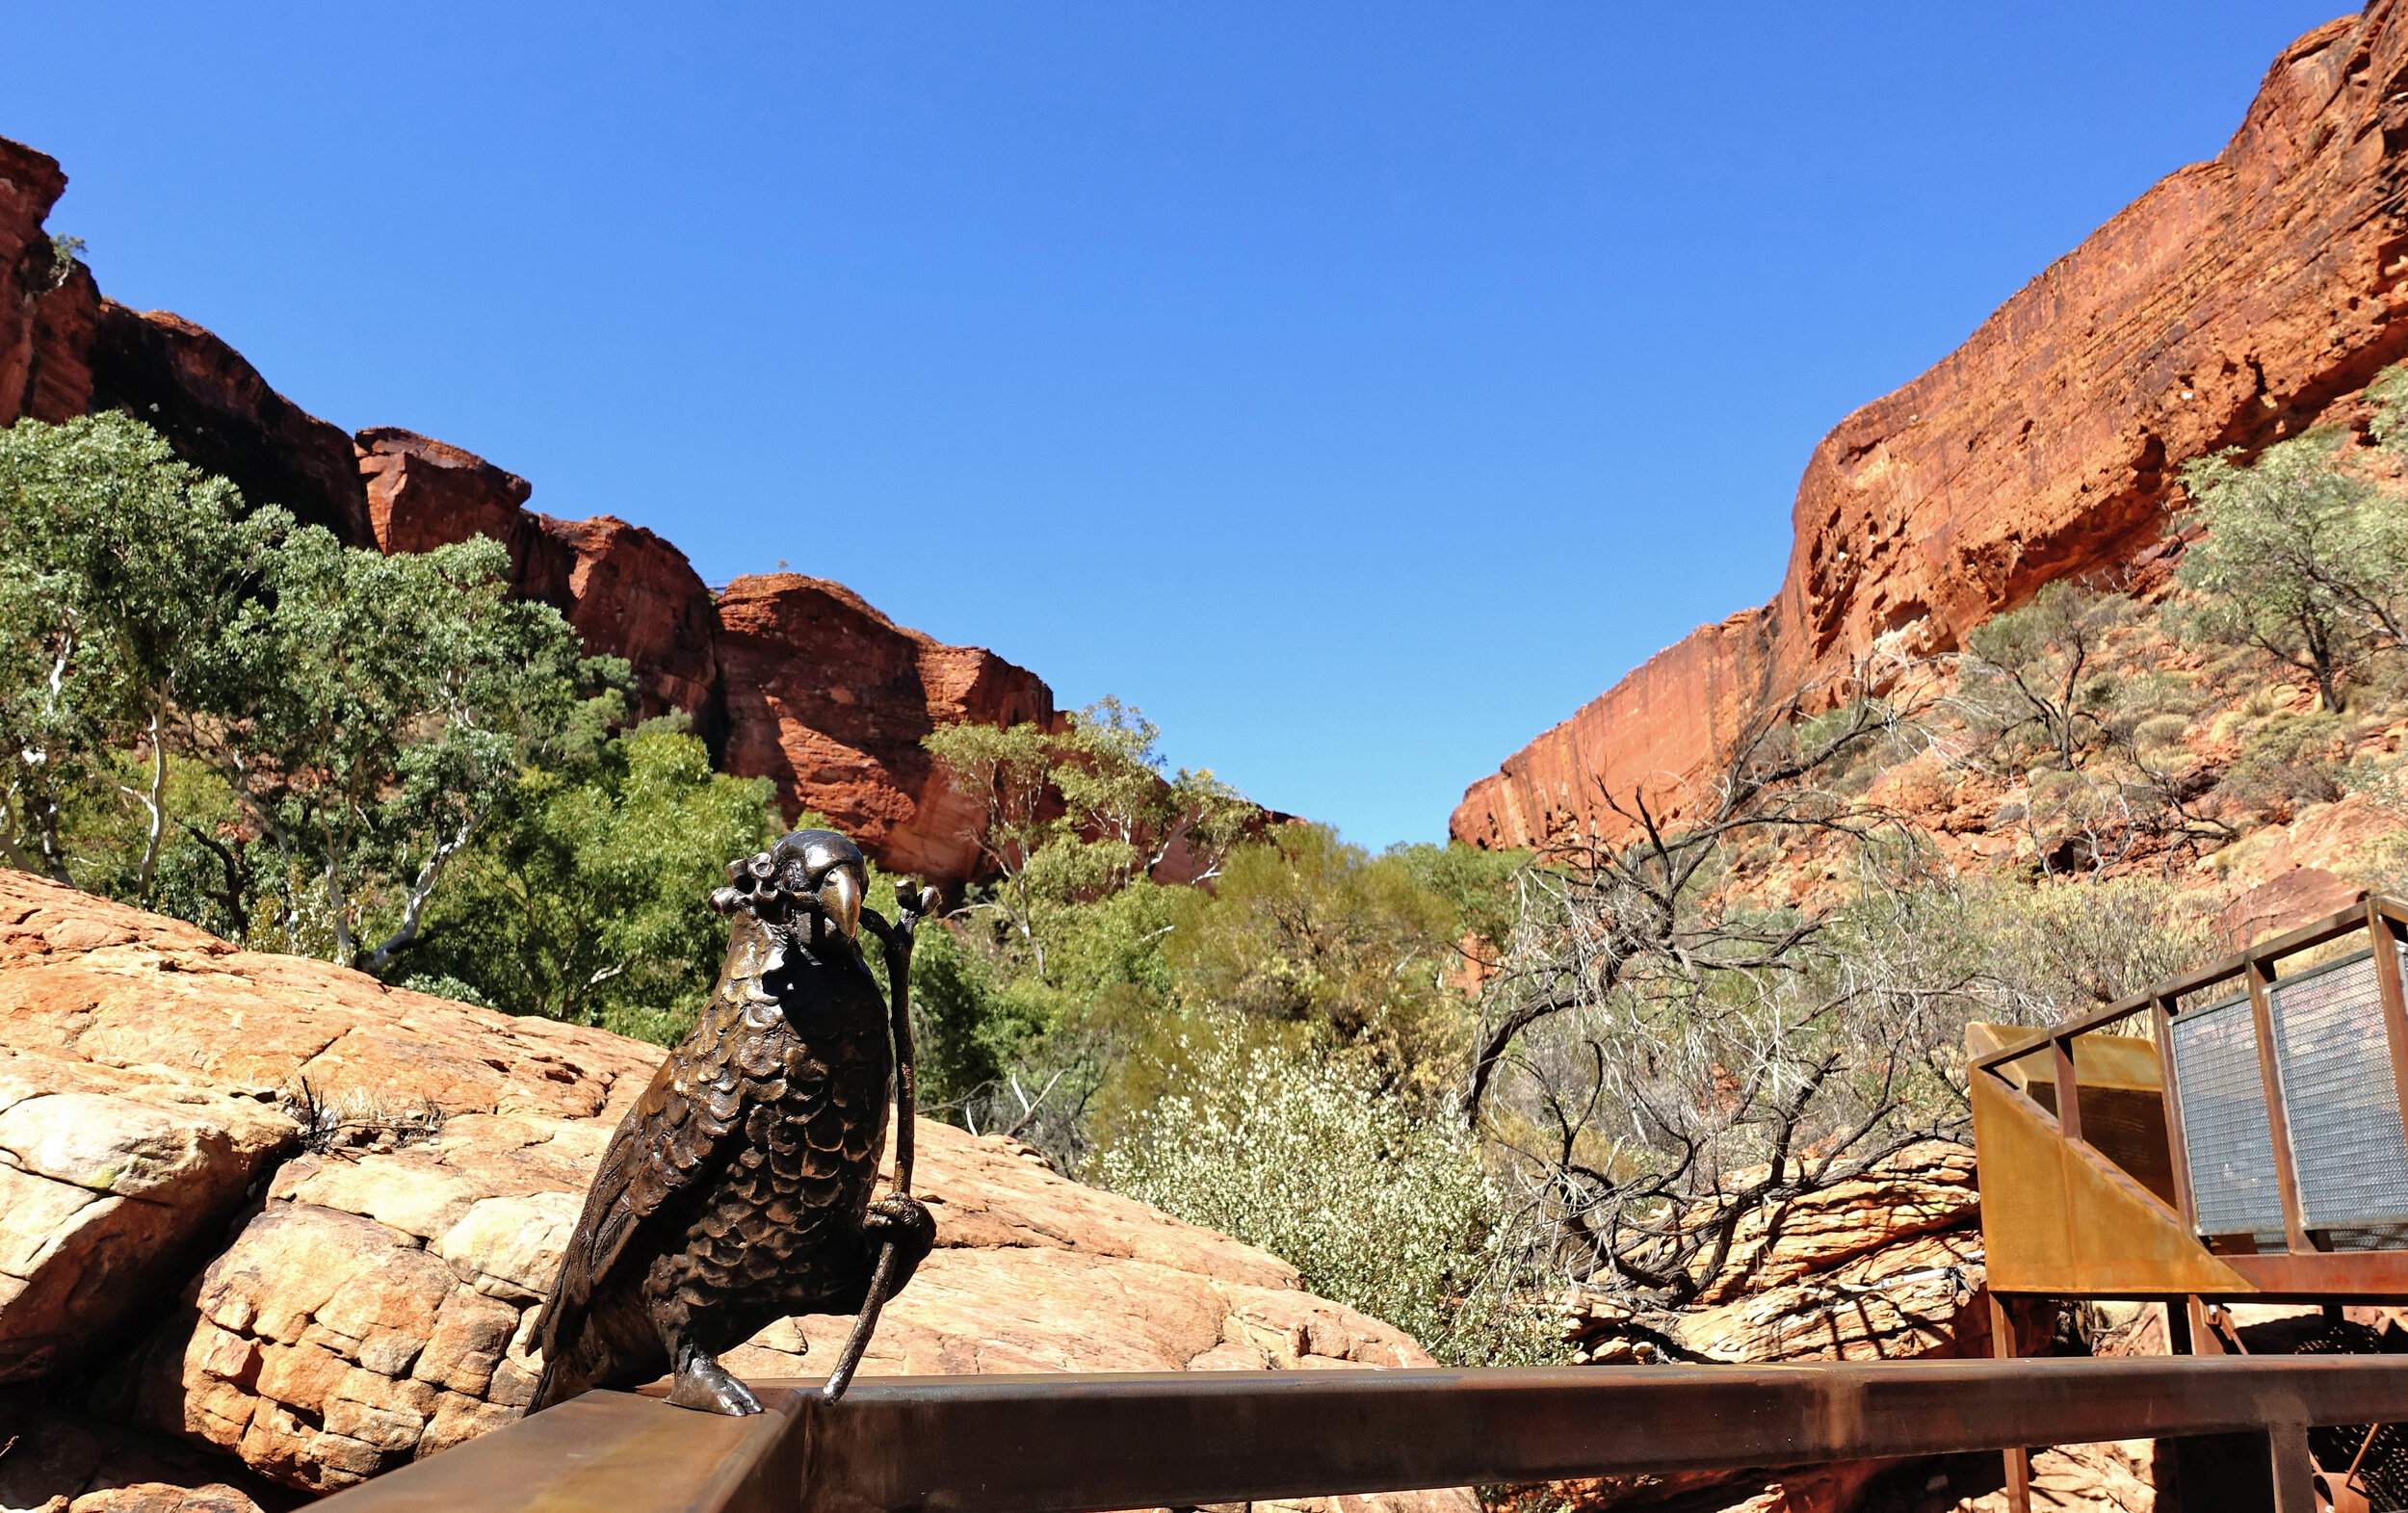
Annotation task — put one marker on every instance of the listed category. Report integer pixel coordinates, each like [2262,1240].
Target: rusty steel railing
[1080,1444]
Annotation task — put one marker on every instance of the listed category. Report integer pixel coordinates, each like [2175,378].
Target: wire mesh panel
[2226,1135]
[2340,1098]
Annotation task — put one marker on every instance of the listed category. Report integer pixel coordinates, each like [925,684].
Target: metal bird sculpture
[737,1191]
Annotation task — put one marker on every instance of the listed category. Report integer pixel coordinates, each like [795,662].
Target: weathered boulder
[110,1179]
[1924,1189]
[1882,1268]
[1897,1302]
[375,1304]
[59,1462]
[2230,305]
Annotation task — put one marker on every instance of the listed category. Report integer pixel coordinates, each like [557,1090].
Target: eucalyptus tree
[368,714]
[122,572]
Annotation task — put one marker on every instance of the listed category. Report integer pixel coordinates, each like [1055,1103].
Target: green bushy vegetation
[1054,1007]
[1309,1155]
[389,762]
[580,901]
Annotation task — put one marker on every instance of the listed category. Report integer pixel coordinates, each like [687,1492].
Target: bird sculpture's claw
[703,1384]
[905,1221]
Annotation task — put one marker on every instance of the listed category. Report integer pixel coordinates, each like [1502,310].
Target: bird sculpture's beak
[840,897]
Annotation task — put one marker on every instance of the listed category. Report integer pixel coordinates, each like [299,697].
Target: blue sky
[1356,387]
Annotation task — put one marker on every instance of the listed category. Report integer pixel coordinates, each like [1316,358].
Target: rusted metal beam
[2294,1469]
[2261,976]
[2363,1275]
[2332,926]
[2018,1457]
[2068,1090]
[1083,1444]
[2383,940]
[2178,1145]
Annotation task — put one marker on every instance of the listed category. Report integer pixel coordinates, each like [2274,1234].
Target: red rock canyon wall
[2229,305]
[792,678]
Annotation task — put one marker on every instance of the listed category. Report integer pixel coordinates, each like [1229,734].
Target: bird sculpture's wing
[677,1135]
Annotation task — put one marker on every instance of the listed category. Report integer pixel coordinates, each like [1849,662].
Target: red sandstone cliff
[797,679]
[2229,305]
[46,312]
[830,699]
[792,678]
[628,592]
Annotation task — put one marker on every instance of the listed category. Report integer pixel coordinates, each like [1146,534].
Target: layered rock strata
[1885,1268]
[2230,305]
[280,1213]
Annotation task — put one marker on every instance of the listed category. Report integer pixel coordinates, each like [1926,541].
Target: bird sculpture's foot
[908,1224]
[702,1383]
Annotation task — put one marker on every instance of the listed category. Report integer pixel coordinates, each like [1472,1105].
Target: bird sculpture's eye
[797,878]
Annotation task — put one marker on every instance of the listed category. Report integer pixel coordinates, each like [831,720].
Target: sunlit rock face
[791,678]
[2233,305]
[832,698]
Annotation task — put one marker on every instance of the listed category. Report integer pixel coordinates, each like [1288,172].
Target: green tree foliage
[1078,815]
[1358,950]
[582,897]
[1312,1158]
[1055,1007]
[2039,667]
[1057,962]
[168,658]
[121,574]
[2303,558]
[368,712]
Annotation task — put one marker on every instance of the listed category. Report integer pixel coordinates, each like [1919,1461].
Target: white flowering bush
[1310,1159]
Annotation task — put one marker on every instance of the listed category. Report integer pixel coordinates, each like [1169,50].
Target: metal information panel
[2342,1104]
[2225,1130]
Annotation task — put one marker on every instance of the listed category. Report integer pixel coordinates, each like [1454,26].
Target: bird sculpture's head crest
[812,878]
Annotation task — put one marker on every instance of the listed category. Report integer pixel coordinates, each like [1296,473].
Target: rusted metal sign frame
[1074,1444]
[2301,1270]
[2332,926]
